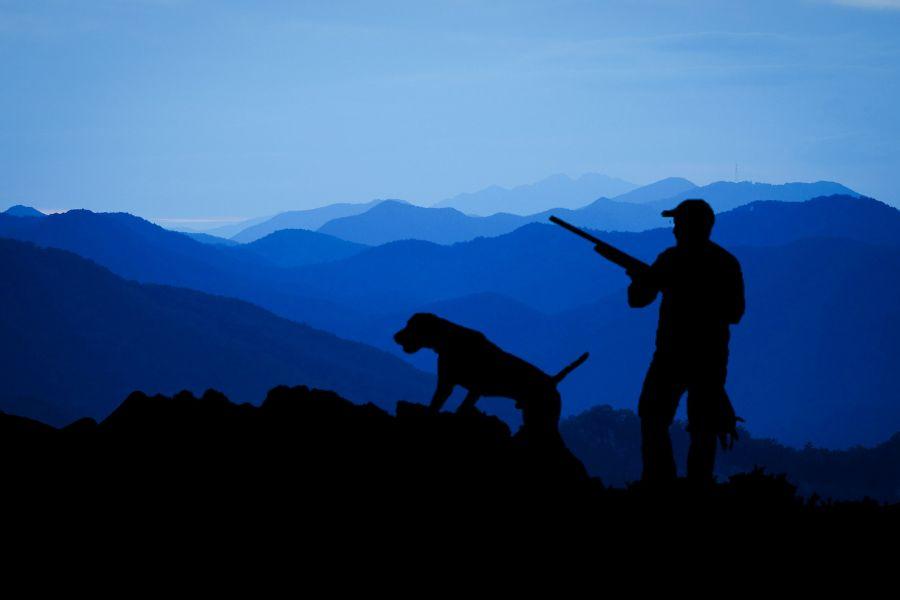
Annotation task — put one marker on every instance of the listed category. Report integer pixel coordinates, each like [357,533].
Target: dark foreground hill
[311,458]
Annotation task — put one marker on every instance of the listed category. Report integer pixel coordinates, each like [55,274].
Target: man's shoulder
[668,254]
[724,255]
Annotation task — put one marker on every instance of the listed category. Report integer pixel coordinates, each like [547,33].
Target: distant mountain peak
[664,188]
[20,210]
[554,191]
[726,195]
[386,204]
[310,219]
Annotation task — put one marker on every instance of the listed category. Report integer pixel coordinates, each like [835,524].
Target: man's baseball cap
[693,209]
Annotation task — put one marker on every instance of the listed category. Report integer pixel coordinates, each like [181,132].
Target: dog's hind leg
[468,405]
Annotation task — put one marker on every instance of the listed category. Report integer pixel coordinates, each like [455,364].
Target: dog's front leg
[468,405]
[445,385]
[441,393]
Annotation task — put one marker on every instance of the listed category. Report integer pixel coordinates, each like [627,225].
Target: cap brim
[669,213]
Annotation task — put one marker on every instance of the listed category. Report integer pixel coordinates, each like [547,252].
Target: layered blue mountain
[20,210]
[658,190]
[392,221]
[136,249]
[726,195]
[552,270]
[232,229]
[298,247]
[77,339]
[556,190]
[206,238]
[312,218]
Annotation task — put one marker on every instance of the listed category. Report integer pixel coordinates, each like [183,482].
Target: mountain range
[726,195]
[312,218]
[658,190]
[381,222]
[821,309]
[554,191]
[299,247]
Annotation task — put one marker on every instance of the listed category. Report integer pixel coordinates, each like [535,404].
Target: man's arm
[644,285]
[736,301]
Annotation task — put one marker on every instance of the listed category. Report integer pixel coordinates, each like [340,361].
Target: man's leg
[705,400]
[657,406]
[701,457]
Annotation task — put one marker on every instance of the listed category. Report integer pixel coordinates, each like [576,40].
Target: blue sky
[201,109]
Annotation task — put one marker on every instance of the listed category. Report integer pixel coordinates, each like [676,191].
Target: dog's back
[485,367]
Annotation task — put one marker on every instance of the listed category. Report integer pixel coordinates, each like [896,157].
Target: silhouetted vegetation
[608,441]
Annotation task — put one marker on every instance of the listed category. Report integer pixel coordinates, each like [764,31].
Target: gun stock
[610,253]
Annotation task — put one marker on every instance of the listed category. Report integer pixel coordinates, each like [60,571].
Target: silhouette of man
[702,295]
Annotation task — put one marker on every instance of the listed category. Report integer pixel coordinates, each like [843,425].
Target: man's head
[694,220]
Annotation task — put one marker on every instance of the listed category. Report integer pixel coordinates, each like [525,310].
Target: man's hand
[729,437]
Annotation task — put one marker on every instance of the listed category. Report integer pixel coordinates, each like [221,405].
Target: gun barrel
[610,253]
[575,230]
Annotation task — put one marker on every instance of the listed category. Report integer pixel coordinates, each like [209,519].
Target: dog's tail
[562,374]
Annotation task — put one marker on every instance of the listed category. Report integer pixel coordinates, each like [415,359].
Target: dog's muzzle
[402,338]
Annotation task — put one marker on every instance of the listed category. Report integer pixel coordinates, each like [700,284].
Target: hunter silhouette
[702,296]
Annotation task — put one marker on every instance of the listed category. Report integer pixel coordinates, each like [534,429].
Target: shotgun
[610,253]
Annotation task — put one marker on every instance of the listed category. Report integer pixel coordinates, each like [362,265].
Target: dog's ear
[449,334]
[432,327]
[426,322]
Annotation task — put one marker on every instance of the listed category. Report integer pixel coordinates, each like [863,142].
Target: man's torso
[697,295]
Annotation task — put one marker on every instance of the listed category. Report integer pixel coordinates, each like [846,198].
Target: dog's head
[423,330]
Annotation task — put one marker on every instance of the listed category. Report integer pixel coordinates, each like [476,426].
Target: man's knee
[709,410]
[654,424]
[654,432]
[656,411]
[656,451]
[659,396]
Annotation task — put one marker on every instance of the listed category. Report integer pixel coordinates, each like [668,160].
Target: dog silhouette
[468,359]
